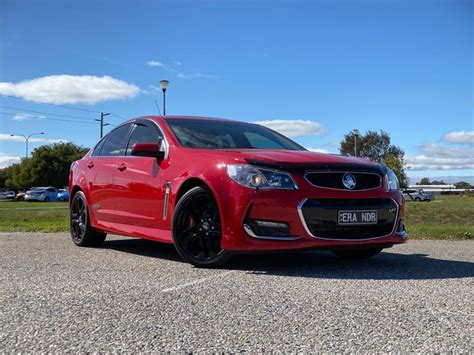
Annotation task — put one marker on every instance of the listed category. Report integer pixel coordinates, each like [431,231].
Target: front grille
[321,218]
[333,180]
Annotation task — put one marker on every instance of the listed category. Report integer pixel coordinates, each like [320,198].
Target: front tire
[357,253]
[82,233]
[197,229]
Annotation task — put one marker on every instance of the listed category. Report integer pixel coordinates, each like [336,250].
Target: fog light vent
[401,230]
[268,229]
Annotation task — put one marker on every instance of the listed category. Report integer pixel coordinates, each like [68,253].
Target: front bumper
[286,207]
[33,198]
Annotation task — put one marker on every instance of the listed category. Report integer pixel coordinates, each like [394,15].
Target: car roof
[197,118]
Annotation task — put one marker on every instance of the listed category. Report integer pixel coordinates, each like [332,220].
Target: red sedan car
[213,187]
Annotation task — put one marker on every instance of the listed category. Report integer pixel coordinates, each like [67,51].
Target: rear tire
[197,229]
[417,199]
[47,199]
[82,233]
[357,253]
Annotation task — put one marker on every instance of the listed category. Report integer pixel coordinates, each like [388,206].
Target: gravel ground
[135,295]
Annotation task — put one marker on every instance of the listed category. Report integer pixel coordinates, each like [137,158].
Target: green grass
[448,217]
[33,216]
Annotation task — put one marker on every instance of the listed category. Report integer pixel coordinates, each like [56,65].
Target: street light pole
[27,138]
[355,132]
[164,86]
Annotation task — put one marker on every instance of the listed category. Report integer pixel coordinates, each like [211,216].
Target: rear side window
[115,142]
[142,134]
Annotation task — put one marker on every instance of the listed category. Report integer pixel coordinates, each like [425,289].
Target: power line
[47,103]
[48,118]
[122,118]
[47,113]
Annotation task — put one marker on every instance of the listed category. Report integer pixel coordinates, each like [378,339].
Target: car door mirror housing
[148,150]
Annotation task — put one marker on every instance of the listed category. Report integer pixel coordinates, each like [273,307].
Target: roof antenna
[157,107]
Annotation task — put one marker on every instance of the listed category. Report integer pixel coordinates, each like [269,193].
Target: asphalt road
[135,295]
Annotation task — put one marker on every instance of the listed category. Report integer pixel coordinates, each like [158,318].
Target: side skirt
[159,235]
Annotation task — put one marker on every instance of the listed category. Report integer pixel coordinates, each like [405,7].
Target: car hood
[291,160]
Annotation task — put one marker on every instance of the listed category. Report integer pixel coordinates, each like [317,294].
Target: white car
[43,194]
[416,195]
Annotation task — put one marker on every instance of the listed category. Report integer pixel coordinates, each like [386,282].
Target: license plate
[357,217]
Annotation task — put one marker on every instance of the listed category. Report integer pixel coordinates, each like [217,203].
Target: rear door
[138,188]
[101,167]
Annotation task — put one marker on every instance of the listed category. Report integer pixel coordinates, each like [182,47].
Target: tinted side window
[97,148]
[115,142]
[142,134]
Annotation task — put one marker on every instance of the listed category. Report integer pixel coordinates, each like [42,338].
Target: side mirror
[148,150]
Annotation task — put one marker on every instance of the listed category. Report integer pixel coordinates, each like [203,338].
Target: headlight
[392,181]
[260,178]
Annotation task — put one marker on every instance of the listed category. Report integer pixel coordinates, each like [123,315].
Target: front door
[101,167]
[138,187]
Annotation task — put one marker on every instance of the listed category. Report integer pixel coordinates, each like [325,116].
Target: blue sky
[313,69]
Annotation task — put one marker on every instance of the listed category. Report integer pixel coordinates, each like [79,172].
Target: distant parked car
[7,195]
[43,194]
[63,195]
[416,195]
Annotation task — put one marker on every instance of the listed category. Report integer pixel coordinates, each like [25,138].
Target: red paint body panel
[131,201]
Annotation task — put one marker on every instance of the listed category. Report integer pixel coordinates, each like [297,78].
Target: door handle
[122,167]
[90,164]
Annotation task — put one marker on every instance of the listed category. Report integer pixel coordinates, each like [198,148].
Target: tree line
[458,185]
[48,166]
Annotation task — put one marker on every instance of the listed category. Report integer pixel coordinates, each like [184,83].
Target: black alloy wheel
[82,233]
[197,229]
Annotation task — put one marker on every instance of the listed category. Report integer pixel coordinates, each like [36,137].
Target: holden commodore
[215,187]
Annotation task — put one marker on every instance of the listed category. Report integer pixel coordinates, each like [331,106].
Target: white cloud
[70,89]
[154,63]
[7,160]
[26,116]
[318,150]
[459,137]
[423,162]
[196,76]
[9,138]
[437,157]
[177,63]
[293,128]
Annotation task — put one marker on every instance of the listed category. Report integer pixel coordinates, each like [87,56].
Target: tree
[436,182]
[378,148]
[424,181]
[373,145]
[5,173]
[48,166]
[397,166]
[463,185]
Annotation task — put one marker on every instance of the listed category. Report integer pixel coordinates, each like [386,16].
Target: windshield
[209,134]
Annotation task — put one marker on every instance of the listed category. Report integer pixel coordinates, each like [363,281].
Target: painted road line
[197,282]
